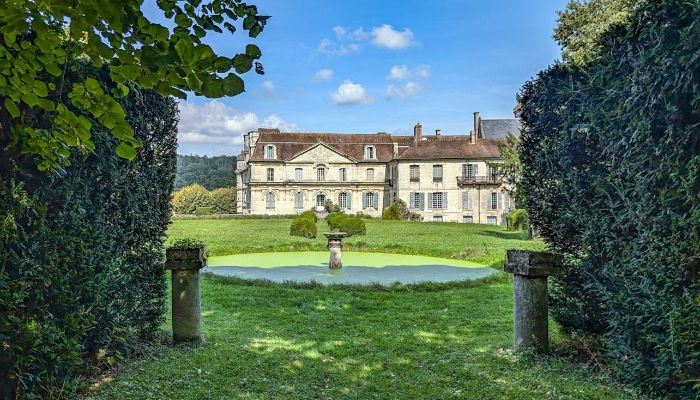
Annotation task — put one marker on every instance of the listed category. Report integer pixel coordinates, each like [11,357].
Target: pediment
[321,153]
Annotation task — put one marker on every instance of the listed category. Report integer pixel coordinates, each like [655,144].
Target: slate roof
[498,128]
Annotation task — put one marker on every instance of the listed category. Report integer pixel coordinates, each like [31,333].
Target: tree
[210,172]
[43,116]
[511,167]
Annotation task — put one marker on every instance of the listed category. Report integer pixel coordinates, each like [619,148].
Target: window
[270,174]
[437,218]
[415,173]
[493,173]
[467,202]
[270,201]
[468,219]
[438,201]
[369,152]
[320,200]
[270,152]
[495,201]
[491,220]
[343,175]
[468,172]
[370,200]
[343,200]
[415,200]
[321,174]
[298,174]
[437,173]
[298,201]
[370,174]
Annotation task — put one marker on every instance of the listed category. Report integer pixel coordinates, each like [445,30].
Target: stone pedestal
[335,244]
[530,310]
[185,264]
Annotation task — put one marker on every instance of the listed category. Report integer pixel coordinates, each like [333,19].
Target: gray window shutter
[506,201]
[465,200]
[444,200]
[411,201]
[349,200]
[421,201]
[476,169]
[430,200]
[376,200]
[364,200]
[499,201]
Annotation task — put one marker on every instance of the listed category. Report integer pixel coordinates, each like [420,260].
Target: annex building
[442,177]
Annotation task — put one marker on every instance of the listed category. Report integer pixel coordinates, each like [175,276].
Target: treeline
[210,172]
[610,151]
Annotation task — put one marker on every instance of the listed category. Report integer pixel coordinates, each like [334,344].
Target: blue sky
[369,66]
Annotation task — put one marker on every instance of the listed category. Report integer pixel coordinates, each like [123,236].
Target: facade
[442,177]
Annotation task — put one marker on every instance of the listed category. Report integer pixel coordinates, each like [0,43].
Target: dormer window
[270,152]
[370,153]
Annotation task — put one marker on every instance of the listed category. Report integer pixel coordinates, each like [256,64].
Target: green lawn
[266,341]
[483,244]
[428,341]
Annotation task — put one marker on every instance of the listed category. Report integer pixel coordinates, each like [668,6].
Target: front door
[320,200]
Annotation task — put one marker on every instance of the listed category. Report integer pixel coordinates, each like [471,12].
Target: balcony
[478,180]
[415,179]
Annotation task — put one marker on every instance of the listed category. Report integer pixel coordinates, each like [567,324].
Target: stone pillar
[530,311]
[185,264]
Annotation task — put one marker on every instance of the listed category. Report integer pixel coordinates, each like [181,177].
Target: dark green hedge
[303,226]
[81,252]
[346,223]
[611,178]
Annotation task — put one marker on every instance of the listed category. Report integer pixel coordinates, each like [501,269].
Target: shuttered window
[414,171]
[370,174]
[438,201]
[321,174]
[467,201]
[270,174]
[298,174]
[437,173]
[343,174]
[270,201]
[343,200]
[298,201]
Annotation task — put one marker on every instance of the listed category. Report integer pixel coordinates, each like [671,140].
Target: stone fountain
[335,243]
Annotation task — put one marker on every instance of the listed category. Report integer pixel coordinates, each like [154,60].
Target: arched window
[270,152]
[298,201]
[270,200]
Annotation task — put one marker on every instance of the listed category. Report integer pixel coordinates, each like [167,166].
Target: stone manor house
[442,177]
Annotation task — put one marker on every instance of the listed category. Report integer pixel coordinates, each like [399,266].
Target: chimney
[417,132]
[437,132]
[477,127]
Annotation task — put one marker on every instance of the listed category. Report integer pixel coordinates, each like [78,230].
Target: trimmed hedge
[309,215]
[81,253]
[611,178]
[346,223]
[303,226]
[190,199]
[392,213]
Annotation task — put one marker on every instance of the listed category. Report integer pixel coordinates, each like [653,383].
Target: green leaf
[253,51]
[242,63]
[40,89]
[11,107]
[92,86]
[185,49]
[125,150]
[233,85]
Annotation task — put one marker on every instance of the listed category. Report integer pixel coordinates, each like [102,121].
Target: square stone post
[530,311]
[185,264]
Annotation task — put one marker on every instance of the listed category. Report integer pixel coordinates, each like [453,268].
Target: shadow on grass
[514,235]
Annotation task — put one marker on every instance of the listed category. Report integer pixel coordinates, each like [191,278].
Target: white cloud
[401,72]
[350,93]
[327,46]
[269,88]
[407,90]
[340,32]
[386,37]
[216,123]
[323,74]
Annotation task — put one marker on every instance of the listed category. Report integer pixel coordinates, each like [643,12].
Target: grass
[268,341]
[306,341]
[483,244]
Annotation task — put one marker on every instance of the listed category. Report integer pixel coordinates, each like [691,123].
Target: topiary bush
[392,213]
[309,215]
[518,220]
[333,220]
[223,201]
[303,226]
[353,226]
[187,199]
[611,176]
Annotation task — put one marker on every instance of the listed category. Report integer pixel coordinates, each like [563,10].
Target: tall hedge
[611,178]
[81,279]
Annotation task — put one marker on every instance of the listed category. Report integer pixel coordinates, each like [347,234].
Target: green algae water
[358,268]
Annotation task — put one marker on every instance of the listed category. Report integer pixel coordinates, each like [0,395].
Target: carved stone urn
[335,243]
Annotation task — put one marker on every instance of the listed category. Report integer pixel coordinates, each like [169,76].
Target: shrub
[331,207]
[303,226]
[187,199]
[333,220]
[611,160]
[81,253]
[351,225]
[517,220]
[392,213]
[203,211]
[309,215]
[223,201]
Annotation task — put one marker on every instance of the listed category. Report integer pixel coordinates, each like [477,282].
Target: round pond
[358,268]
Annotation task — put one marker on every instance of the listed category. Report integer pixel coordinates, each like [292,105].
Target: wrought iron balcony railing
[479,180]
